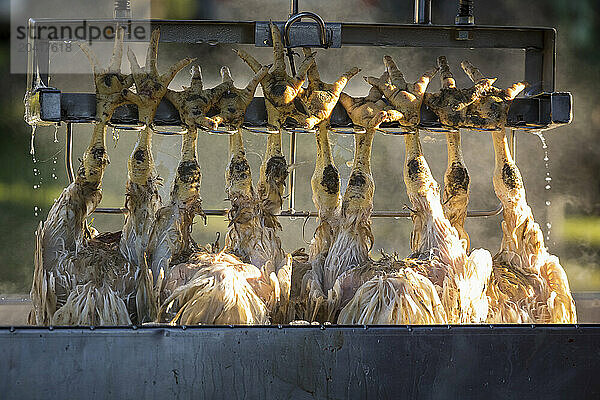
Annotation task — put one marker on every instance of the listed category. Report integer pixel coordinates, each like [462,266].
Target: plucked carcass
[170,240]
[219,288]
[438,253]
[82,277]
[322,98]
[528,284]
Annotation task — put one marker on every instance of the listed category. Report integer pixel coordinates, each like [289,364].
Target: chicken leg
[528,284]
[142,199]
[283,101]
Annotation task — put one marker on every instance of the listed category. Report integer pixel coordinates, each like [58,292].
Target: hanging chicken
[438,253]
[325,179]
[170,240]
[527,285]
[82,278]
[220,288]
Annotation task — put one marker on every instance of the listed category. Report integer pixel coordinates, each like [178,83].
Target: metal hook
[221,131]
[306,14]
[267,130]
[350,130]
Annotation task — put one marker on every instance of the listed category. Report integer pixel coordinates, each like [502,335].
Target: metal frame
[539,43]
[545,110]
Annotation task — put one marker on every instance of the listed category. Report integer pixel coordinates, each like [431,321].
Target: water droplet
[32,150]
[115,136]
[54,160]
[54,176]
[548,202]
[349,164]
[35,208]
[548,179]
[547,187]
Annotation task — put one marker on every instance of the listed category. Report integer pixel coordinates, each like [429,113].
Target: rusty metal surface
[302,362]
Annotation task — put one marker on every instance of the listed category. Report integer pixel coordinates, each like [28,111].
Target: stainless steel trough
[301,362]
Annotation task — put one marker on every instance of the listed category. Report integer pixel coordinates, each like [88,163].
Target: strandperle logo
[81,30]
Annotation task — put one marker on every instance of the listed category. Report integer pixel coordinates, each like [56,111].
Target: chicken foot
[404,97]
[481,106]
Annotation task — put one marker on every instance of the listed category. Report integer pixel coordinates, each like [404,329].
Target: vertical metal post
[292,202]
[69,153]
[122,9]
[293,7]
[292,177]
[465,13]
[423,12]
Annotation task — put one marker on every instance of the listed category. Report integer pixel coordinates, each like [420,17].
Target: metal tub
[301,362]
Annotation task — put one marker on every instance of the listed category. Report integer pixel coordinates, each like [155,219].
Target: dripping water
[54,168]
[115,135]
[547,179]
[56,133]
[32,149]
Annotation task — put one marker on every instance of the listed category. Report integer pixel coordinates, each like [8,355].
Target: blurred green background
[571,219]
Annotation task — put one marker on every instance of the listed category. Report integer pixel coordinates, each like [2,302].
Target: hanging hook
[324,42]
[306,14]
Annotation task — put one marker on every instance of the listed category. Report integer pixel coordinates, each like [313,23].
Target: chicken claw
[280,89]
[320,97]
[109,81]
[370,111]
[234,101]
[194,102]
[150,85]
[406,98]
[481,106]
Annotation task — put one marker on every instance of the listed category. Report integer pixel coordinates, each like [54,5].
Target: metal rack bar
[543,111]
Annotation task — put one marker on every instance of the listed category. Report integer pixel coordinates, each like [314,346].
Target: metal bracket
[301,34]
